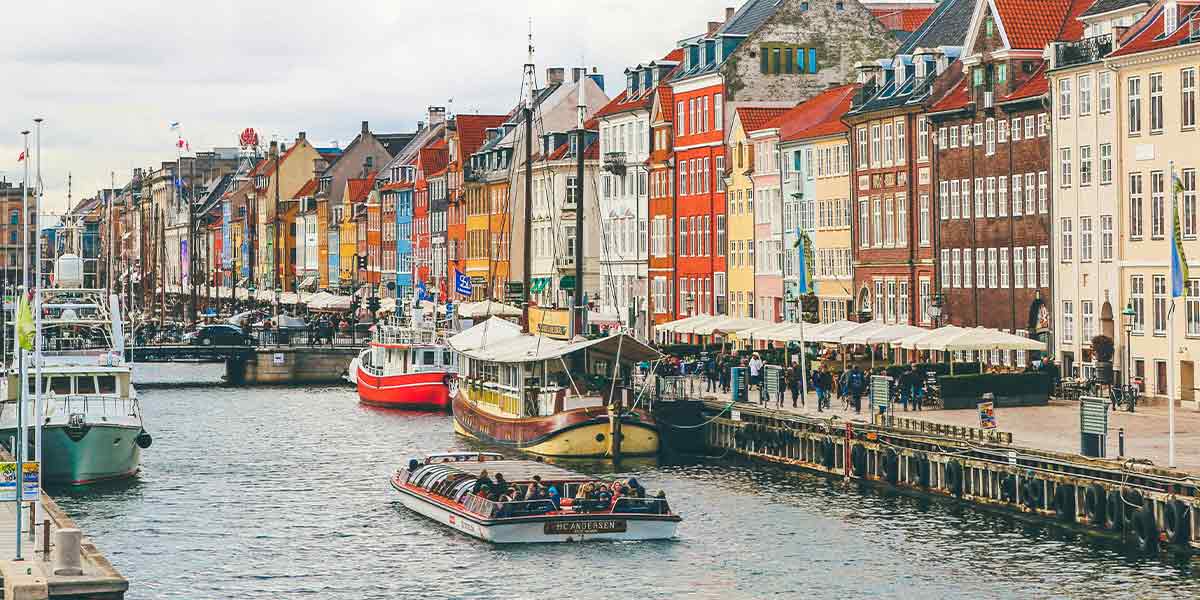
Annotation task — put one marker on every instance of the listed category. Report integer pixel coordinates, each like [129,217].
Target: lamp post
[1129,314]
[935,309]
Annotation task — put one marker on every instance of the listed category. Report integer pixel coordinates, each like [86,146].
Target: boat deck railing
[405,335]
[85,404]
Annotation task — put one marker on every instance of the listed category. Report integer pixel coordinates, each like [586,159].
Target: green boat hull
[99,452]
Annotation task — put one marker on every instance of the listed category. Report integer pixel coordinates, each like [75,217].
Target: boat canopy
[500,342]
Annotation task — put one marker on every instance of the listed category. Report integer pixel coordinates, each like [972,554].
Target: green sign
[1093,415]
[880,388]
[774,379]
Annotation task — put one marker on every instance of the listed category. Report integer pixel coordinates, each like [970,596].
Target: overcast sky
[109,77]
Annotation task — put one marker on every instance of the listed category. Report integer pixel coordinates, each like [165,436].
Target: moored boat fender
[1130,501]
[144,440]
[1177,521]
[1032,492]
[1064,502]
[827,453]
[1008,487]
[858,460]
[1094,504]
[1114,510]
[923,470]
[1145,529]
[954,477]
[891,466]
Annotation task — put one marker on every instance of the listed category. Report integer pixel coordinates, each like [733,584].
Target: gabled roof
[472,130]
[1148,33]
[817,117]
[1037,85]
[1106,6]
[1031,24]
[754,118]
[902,19]
[434,157]
[749,17]
[666,104]
[357,189]
[308,189]
[946,26]
[624,103]
[956,97]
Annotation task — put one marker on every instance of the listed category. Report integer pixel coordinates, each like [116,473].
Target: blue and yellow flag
[1179,267]
[25,326]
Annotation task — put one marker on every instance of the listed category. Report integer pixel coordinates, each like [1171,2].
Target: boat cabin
[113,383]
[398,348]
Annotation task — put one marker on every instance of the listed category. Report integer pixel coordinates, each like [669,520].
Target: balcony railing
[565,262]
[1084,51]
[614,162]
[473,174]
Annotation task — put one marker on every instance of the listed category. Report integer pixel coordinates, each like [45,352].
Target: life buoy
[858,460]
[891,466]
[1008,488]
[1177,521]
[827,457]
[923,471]
[1064,502]
[1032,493]
[1114,510]
[954,477]
[1094,504]
[1145,530]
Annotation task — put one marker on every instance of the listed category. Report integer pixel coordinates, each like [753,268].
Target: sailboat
[552,397]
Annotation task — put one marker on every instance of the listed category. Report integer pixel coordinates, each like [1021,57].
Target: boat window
[447,358]
[428,358]
[60,385]
[107,384]
[85,385]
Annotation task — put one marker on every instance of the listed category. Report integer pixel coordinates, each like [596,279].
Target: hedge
[940,369]
[1000,384]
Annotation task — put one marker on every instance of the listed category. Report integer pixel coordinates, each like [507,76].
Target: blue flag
[1179,267]
[802,270]
[462,283]
[423,292]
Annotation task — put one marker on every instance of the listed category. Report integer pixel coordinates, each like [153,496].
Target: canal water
[283,493]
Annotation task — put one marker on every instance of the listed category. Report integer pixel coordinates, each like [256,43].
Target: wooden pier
[1150,506]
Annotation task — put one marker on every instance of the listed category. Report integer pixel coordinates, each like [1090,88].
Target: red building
[661,210]
[466,135]
[431,159]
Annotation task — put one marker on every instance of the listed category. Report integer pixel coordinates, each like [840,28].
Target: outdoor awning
[289,298]
[308,283]
[862,333]
[491,342]
[673,326]
[692,326]
[487,308]
[729,325]
[932,340]
[984,339]
[834,332]
[567,282]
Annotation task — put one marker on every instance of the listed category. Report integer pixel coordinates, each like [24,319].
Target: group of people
[500,490]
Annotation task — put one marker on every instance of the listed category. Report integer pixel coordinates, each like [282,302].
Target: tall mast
[527,115]
[579,314]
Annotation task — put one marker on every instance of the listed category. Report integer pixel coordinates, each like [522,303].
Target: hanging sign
[987,415]
[31,484]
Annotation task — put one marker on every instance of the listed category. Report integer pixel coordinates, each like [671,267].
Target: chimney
[578,73]
[729,10]
[713,26]
[274,148]
[420,125]
[365,129]
[300,137]
[555,75]
[437,115]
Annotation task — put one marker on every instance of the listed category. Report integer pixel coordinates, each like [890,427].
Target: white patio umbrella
[985,339]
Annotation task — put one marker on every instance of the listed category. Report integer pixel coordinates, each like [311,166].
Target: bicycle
[1125,394]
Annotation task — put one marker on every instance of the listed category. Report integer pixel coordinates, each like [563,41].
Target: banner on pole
[30,486]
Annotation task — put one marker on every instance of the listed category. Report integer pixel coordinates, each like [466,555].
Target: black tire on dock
[1032,493]
[858,460]
[1145,530]
[923,470]
[954,477]
[1064,502]
[1131,502]
[1094,504]
[1008,488]
[891,466]
[827,453]
[1177,521]
[1114,511]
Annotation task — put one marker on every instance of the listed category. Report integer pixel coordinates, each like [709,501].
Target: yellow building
[831,270]
[740,209]
[295,164]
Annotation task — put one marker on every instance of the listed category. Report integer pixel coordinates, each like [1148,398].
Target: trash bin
[740,380]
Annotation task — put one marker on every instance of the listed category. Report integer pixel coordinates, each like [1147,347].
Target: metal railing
[1084,51]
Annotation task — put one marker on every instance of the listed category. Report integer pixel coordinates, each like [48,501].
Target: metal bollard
[1121,443]
[46,540]
[68,560]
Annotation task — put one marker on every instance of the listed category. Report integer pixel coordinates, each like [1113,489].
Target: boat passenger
[635,489]
[554,499]
[500,482]
[413,464]
[604,496]
[482,482]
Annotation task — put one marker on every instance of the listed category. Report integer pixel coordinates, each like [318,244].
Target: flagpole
[18,447]
[1171,358]
[802,288]
[37,328]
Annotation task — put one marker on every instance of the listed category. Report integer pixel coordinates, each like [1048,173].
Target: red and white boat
[441,486]
[405,366]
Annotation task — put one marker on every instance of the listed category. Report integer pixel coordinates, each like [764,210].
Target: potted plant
[1102,347]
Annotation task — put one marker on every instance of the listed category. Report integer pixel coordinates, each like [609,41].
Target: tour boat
[516,390]
[440,487]
[92,426]
[407,365]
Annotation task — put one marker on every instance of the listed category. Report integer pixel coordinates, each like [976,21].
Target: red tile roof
[1031,24]
[819,116]
[956,97]
[399,185]
[666,102]
[308,189]
[433,158]
[1147,34]
[593,151]
[755,118]
[1037,85]
[472,131]
[357,189]
[902,19]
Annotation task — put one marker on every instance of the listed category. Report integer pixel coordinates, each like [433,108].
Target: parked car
[218,335]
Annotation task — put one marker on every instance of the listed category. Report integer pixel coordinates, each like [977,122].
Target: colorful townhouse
[1154,64]
[892,169]
[751,136]
[815,151]
[431,159]
[465,136]
[438,190]
[662,202]
[741,218]
[399,194]
[626,141]
[767,52]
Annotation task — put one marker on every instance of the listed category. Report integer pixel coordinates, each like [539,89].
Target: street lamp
[935,308]
[1129,314]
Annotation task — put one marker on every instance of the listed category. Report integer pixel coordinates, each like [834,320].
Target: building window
[877,222]
[1137,300]
[1064,163]
[978,134]
[1134,87]
[1029,131]
[981,267]
[926,297]
[990,147]
[924,216]
[864,216]
[966,198]
[1187,100]
[1002,196]
[966,268]
[1105,91]
[901,141]
[1019,267]
[922,139]
[1106,237]
[1043,125]
[1160,304]
[979,198]
[1188,181]
[1085,165]
[1043,179]
[991,196]
[953,137]
[876,149]
[993,269]
[1106,164]
[1085,239]
[1085,94]
[1068,326]
[1156,102]
[1193,307]
[863,156]
[1136,226]
[1004,268]
[721,240]
[901,220]
[955,209]
[1068,242]
[1031,267]
[945,268]
[1158,205]
[1064,98]
[955,272]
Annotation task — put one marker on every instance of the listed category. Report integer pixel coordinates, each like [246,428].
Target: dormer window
[647,78]
[693,56]
[710,52]
[920,68]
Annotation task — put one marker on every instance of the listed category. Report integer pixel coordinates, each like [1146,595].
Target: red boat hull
[409,391]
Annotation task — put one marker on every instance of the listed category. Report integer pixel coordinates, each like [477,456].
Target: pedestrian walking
[795,375]
[856,384]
